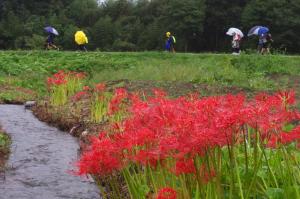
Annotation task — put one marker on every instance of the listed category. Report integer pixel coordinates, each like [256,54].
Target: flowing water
[40,161]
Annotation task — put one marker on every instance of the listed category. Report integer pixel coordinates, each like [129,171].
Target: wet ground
[40,161]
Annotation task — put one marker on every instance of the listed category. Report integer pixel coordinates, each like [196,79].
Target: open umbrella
[80,38]
[258,30]
[50,29]
[232,31]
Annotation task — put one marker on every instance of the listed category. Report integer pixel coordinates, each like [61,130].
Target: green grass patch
[4,142]
[29,69]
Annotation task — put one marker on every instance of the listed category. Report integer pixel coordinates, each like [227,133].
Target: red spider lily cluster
[188,147]
[119,96]
[100,87]
[167,193]
[61,77]
[57,79]
[79,95]
[183,129]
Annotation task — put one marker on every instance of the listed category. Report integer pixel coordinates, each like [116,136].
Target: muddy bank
[15,95]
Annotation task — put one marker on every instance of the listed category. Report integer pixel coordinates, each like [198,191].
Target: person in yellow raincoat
[81,40]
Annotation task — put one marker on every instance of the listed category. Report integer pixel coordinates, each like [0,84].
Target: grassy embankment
[4,148]
[23,73]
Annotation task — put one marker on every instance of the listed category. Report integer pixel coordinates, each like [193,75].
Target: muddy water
[40,161]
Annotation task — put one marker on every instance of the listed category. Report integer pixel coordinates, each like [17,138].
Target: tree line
[138,25]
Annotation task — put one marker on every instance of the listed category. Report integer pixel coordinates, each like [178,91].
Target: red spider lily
[55,82]
[80,75]
[86,88]
[103,158]
[60,75]
[159,93]
[167,193]
[57,79]
[78,96]
[287,97]
[185,167]
[119,96]
[185,128]
[284,138]
[100,87]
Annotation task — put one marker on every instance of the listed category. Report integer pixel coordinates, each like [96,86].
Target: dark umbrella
[50,29]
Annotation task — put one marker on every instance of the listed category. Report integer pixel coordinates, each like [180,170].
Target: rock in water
[29,104]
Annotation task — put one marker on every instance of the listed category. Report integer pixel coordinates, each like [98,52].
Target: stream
[40,161]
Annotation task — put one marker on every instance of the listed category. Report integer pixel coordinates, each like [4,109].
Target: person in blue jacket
[170,42]
[50,42]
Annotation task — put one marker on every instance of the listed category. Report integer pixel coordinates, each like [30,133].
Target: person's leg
[264,51]
[258,49]
[268,48]
[173,49]
[46,46]
[54,46]
[265,48]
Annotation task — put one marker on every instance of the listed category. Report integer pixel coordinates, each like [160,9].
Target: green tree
[282,18]
[185,19]
[104,33]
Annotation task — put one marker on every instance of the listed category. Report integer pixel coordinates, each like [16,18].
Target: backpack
[174,40]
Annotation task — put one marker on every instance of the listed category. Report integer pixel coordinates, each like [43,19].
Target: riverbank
[5,142]
[77,123]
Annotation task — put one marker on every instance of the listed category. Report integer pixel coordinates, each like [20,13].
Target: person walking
[236,39]
[50,42]
[266,42]
[81,40]
[52,33]
[170,42]
[237,36]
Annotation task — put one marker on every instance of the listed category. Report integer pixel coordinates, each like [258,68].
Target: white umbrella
[232,31]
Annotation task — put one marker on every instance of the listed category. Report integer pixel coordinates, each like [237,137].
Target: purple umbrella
[50,29]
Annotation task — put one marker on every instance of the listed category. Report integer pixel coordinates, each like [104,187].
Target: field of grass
[29,69]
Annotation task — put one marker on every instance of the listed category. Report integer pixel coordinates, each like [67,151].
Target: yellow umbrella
[80,38]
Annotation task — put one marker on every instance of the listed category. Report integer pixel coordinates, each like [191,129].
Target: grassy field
[24,71]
